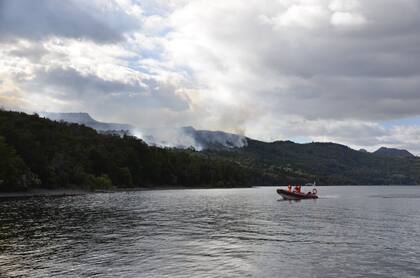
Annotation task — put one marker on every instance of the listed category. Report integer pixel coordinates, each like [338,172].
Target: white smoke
[167,137]
[188,137]
[184,137]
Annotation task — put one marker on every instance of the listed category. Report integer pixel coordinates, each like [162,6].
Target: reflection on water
[213,233]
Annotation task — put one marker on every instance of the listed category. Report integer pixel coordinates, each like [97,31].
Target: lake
[348,232]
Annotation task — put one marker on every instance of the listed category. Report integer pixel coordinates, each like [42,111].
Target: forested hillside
[40,153]
[327,163]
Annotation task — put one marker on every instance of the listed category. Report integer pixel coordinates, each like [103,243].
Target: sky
[344,71]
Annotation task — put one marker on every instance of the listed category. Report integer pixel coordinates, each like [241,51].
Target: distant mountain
[184,137]
[391,152]
[87,120]
[39,153]
[207,139]
[279,162]
[189,137]
[363,150]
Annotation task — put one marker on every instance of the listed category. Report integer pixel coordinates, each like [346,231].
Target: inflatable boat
[290,195]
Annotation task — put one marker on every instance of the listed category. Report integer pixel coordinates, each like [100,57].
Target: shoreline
[43,193]
[74,192]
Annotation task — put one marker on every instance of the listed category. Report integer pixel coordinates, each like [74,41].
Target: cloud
[110,95]
[313,69]
[71,83]
[43,18]
[296,61]
[301,15]
[10,96]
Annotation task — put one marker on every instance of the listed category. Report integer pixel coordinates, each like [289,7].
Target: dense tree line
[327,163]
[39,153]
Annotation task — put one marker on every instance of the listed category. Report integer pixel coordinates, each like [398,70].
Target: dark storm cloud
[349,98]
[41,18]
[337,56]
[72,85]
[77,84]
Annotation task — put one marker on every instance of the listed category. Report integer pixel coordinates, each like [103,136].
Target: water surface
[348,232]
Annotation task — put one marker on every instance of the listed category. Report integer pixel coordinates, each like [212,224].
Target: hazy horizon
[161,137]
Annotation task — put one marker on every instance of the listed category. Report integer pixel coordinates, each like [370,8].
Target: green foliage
[13,172]
[285,162]
[101,182]
[64,155]
[36,152]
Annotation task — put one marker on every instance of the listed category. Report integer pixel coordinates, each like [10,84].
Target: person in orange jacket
[289,187]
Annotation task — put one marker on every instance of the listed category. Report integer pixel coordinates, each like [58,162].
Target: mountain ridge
[327,163]
[38,153]
[393,152]
[269,163]
[85,119]
[201,139]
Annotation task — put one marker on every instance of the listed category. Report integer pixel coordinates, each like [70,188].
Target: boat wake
[395,196]
[329,196]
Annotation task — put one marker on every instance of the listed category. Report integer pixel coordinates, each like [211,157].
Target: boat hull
[296,196]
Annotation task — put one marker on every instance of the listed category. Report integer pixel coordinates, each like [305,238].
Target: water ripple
[212,233]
